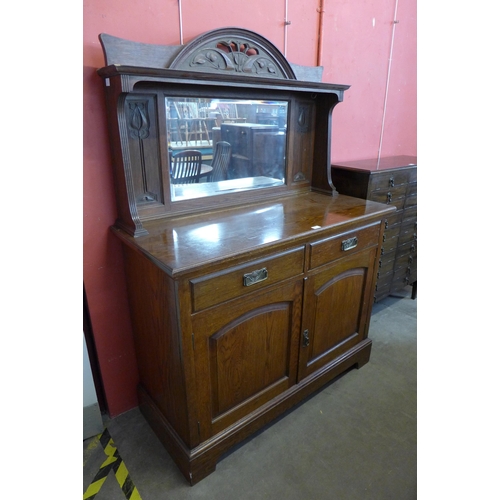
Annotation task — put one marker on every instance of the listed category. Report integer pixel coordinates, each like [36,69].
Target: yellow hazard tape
[113,463]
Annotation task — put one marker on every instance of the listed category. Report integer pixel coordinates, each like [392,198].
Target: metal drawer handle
[255,277]
[389,197]
[349,243]
[391,182]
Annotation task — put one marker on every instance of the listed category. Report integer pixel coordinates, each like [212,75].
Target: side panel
[153,307]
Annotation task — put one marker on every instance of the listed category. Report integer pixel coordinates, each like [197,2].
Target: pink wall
[356,49]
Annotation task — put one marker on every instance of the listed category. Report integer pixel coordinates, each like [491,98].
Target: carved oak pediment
[233,50]
[222,51]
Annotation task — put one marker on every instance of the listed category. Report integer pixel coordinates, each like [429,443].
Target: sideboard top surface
[185,244]
[376,164]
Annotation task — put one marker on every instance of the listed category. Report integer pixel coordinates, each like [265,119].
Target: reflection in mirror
[232,145]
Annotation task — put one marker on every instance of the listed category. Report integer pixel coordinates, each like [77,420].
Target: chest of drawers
[390,180]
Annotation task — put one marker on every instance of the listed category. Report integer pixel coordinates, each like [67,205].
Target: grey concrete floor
[354,439]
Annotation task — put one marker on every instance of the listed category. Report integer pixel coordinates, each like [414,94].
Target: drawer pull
[255,277]
[389,197]
[391,182]
[349,243]
[386,224]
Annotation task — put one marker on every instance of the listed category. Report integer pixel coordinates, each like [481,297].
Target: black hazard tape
[113,463]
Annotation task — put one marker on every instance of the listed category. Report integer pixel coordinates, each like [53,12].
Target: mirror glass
[219,146]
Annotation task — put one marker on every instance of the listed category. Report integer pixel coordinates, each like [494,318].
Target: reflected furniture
[246,141]
[186,167]
[391,180]
[221,160]
[248,294]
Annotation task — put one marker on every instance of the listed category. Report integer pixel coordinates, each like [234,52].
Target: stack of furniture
[391,180]
[242,302]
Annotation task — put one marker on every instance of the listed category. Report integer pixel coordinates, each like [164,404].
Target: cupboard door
[245,354]
[337,305]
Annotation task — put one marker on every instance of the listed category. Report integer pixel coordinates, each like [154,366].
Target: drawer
[393,220]
[386,257]
[406,260]
[404,277]
[383,289]
[384,281]
[412,175]
[333,248]
[394,196]
[411,201]
[411,190]
[389,245]
[409,225]
[388,180]
[239,280]
[407,234]
[406,249]
[391,233]
[410,213]
[384,267]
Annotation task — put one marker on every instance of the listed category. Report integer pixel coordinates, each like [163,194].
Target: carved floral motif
[234,55]
[139,119]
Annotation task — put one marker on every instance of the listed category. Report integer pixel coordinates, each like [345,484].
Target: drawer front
[408,234]
[385,266]
[383,289]
[404,277]
[411,190]
[393,220]
[333,248]
[388,180]
[394,196]
[410,213]
[386,257]
[391,233]
[384,281]
[406,249]
[236,281]
[412,175]
[405,261]
[411,201]
[389,245]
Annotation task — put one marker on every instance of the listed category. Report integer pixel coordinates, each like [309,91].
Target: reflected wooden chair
[186,167]
[220,162]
